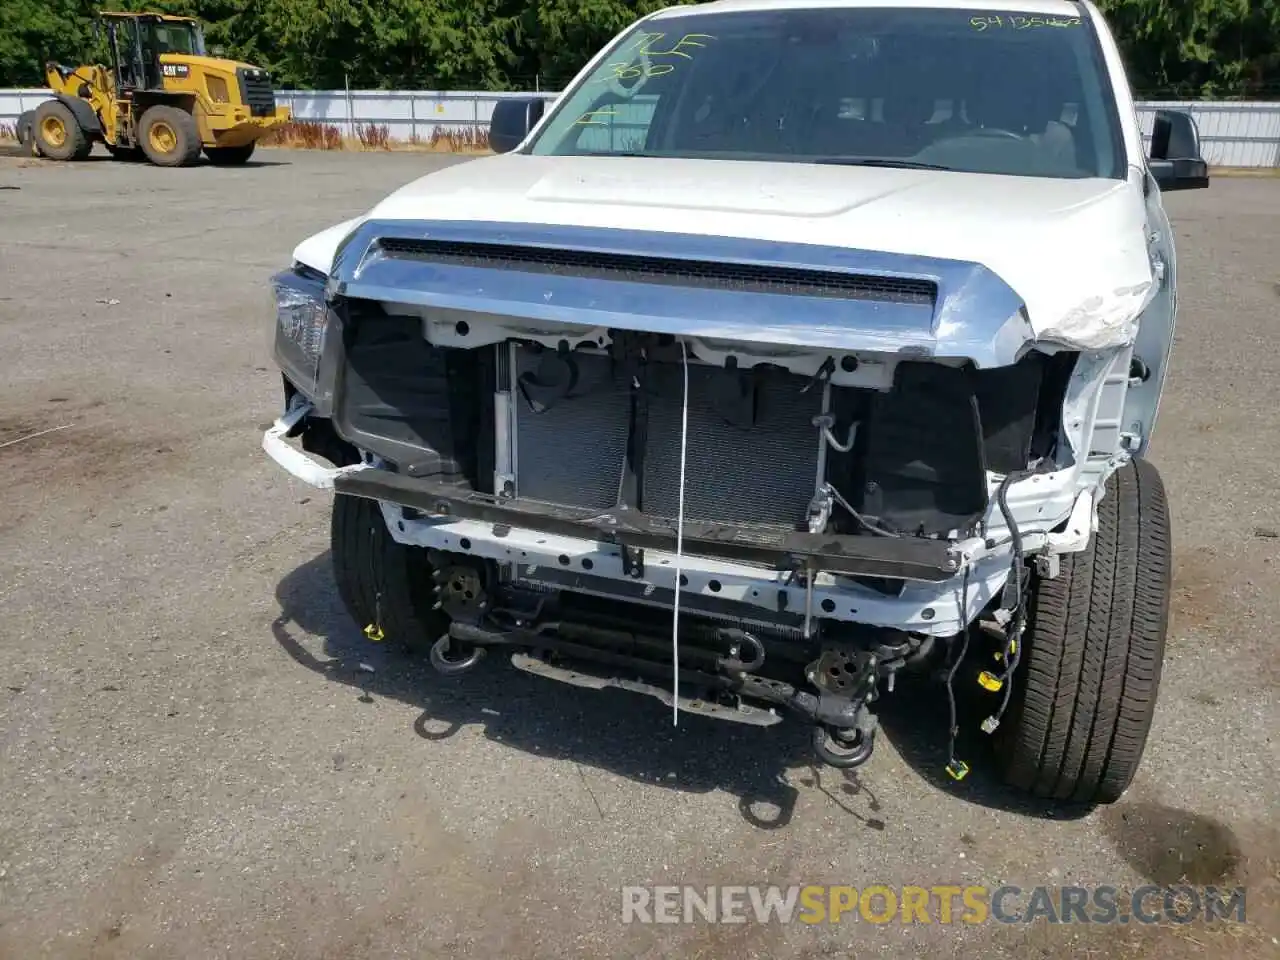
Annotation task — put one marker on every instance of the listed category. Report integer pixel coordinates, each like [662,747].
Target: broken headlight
[302,323]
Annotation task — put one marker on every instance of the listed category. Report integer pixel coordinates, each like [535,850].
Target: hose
[1013,644]
[955,665]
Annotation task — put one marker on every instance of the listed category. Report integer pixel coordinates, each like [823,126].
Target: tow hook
[740,643]
[845,736]
[461,595]
[844,749]
[443,662]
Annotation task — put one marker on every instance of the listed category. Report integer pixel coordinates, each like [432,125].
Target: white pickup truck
[798,343]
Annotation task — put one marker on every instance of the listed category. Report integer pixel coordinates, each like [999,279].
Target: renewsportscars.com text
[942,904]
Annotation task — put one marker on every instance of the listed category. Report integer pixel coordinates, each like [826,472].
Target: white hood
[1073,250]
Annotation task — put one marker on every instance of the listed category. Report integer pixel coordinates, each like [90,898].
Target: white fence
[1234,134]
[406,114]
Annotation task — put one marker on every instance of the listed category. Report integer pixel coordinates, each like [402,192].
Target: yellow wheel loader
[161,98]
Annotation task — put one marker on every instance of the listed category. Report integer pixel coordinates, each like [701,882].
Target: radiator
[758,471]
[573,453]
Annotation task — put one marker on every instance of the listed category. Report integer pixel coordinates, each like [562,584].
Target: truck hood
[1075,251]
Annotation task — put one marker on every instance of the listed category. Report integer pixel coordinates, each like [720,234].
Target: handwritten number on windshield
[622,70]
[1020,22]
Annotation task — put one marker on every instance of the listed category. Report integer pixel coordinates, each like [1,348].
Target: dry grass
[304,136]
[462,140]
[327,136]
[1244,172]
[373,137]
[8,131]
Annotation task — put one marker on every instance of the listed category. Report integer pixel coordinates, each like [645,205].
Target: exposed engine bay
[598,428]
[745,482]
[853,482]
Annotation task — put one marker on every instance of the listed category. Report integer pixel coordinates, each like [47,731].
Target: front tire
[229,156]
[57,133]
[382,583]
[168,137]
[1086,686]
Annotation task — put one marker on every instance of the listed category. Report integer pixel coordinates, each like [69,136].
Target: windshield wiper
[880,162]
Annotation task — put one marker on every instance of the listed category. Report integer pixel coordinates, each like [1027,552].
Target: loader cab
[137,41]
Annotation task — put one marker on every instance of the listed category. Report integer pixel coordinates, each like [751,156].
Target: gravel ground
[193,762]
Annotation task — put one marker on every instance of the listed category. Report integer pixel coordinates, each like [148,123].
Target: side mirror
[1176,161]
[511,122]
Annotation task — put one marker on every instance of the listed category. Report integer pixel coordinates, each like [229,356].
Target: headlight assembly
[302,325]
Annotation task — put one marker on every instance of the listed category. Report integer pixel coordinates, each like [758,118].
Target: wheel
[1085,689]
[382,583]
[168,136]
[229,156]
[57,134]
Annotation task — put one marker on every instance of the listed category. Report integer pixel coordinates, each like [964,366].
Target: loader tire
[58,134]
[383,584]
[229,156]
[168,136]
[1085,689]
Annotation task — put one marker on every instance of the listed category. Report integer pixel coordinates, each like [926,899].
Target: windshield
[954,89]
[176,37]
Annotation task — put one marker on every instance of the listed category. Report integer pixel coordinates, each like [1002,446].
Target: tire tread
[1090,670]
[379,580]
[183,124]
[78,145]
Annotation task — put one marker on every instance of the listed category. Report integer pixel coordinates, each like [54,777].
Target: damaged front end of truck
[832,463]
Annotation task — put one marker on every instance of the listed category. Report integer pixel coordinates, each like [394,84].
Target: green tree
[36,31]
[1208,48]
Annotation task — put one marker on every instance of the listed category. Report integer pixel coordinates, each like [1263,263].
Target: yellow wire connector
[957,769]
[989,681]
[1013,649]
[374,632]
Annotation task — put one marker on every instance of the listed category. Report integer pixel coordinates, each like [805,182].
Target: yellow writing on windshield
[641,51]
[1020,22]
[647,42]
[595,118]
[622,70]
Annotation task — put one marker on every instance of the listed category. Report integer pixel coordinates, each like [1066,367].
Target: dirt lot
[193,762]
